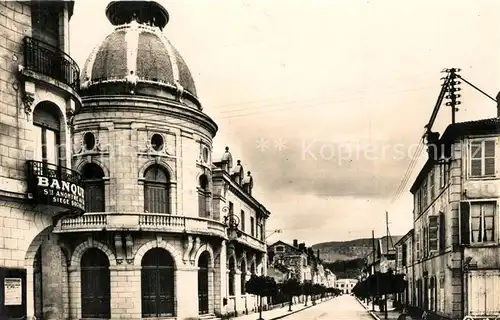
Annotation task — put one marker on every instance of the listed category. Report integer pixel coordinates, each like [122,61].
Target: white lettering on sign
[62,192]
[13,291]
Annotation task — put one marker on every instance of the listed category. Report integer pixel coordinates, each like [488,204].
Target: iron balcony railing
[49,170]
[48,60]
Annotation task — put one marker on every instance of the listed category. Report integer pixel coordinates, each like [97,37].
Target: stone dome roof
[137,49]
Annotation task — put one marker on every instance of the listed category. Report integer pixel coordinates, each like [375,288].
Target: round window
[157,142]
[205,154]
[89,140]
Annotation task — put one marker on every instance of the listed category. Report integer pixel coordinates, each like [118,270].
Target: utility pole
[452,96]
[372,269]
[387,253]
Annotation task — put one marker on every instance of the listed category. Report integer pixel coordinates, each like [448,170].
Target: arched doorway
[203,263]
[157,284]
[95,284]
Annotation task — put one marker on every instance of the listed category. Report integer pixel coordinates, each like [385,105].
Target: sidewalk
[380,315]
[279,313]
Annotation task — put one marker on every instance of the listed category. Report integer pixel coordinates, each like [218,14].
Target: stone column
[238,303]
[75,301]
[212,297]
[30,294]
[187,292]
[125,291]
[220,276]
[52,278]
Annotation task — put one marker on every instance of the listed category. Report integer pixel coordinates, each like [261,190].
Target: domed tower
[143,147]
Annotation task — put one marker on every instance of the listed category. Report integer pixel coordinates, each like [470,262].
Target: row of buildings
[112,204]
[297,261]
[451,255]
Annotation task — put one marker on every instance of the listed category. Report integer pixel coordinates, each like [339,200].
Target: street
[343,307]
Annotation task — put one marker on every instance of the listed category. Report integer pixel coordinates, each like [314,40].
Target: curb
[297,311]
[374,316]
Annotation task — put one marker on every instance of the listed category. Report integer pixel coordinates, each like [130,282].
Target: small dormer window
[279,249]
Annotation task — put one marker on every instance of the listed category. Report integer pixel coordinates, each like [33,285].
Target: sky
[325,101]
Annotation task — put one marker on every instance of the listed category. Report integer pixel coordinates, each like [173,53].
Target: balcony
[247,240]
[116,221]
[45,59]
[55,186]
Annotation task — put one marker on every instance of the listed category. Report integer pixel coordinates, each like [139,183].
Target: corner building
[168,232]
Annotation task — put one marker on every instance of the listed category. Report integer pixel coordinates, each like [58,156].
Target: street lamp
[274,231]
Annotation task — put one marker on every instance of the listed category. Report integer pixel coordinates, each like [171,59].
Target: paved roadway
[344,307]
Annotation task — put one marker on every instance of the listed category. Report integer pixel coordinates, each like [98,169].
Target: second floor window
[433,233]
[46,128]
[252,226]
[202,196]
[45,21]
[242,222]
[93,184]
[482,222]
[482,158]
[477,222]
[156,190]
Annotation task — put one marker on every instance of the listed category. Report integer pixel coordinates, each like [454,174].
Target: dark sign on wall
[12,293]
[58,186]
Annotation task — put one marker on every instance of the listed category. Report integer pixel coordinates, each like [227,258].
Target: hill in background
[344,250]
[345,258]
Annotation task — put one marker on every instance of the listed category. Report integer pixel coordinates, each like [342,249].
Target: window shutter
[433,233]
[442,232]
[476,158]
[489,157]
[464,223]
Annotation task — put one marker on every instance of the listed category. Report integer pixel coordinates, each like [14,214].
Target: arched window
[252,268]
[156,190]
[232,271]
[203,282]
[202,196]
[93,184]
[157,284]
[95,284]
[243,276]
[46,132]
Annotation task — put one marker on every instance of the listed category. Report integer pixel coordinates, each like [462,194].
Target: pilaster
[187,295]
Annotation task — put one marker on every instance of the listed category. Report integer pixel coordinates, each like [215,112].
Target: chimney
[317,253]
[295,243]
[302,246]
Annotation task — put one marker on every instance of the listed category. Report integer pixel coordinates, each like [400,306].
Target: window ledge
[482,245]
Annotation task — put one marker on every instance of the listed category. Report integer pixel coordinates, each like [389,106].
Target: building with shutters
[404,265]
[299,262]
[456,235]
[383,256]
[112,205]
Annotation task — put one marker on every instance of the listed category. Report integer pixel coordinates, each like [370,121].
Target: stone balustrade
[116,221]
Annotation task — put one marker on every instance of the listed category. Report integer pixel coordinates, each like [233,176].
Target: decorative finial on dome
[144,12]
[238,161]
[227,149]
